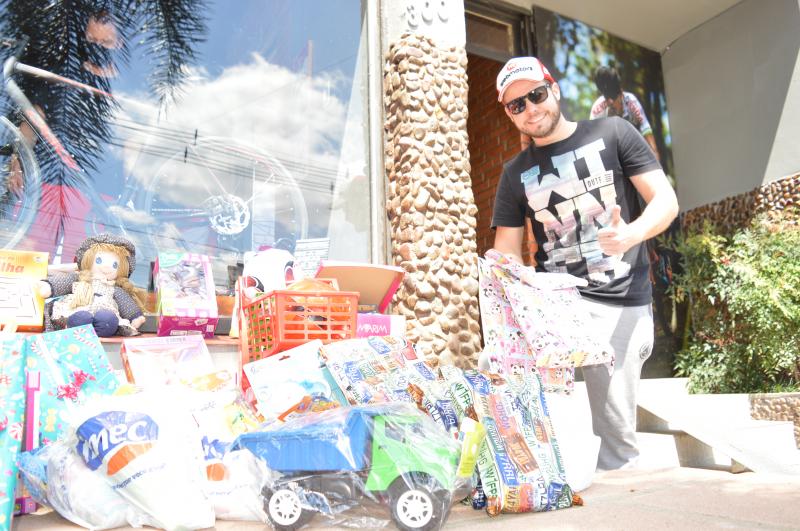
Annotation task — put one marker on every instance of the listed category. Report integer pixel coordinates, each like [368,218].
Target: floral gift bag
[74,367]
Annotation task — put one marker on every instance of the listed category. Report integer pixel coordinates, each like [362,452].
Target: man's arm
[651,141]
[661,209]
[508,240]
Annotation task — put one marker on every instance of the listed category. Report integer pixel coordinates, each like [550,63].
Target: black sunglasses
[536,96]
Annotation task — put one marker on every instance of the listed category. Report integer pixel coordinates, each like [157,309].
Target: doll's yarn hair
[85,267]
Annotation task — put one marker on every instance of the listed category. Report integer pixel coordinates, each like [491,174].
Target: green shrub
[743,295]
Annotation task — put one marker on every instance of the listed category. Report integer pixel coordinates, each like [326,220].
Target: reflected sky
[251,150]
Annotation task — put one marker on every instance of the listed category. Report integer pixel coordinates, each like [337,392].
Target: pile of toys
[325,422]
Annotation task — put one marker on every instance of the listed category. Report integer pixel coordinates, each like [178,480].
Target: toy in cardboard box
[376,285]
[21,304]
[187,301]
[74,369]
[100,293]
[165,360]
[12,396]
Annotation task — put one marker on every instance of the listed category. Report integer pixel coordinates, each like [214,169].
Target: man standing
[580,184]
[615,102]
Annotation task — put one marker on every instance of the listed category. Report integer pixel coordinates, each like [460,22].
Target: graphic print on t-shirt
[572,210]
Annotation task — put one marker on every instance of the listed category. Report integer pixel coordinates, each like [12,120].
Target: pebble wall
[430,204]
[735,212]
[777,406]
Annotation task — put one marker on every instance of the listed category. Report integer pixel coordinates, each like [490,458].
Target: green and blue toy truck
[389,453]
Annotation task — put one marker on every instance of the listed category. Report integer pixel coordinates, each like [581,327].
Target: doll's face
[105,266]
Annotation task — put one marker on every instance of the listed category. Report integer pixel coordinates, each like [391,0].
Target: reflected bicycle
[209,196]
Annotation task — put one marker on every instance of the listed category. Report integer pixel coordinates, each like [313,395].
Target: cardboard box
[186,298]
[20,302]
[377,285]
[165,360]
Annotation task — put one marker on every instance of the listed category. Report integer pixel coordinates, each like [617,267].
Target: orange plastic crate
[283,319]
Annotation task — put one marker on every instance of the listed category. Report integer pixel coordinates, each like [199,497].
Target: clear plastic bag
[349,464]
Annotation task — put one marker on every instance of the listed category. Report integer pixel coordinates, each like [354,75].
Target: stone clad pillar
[430,205]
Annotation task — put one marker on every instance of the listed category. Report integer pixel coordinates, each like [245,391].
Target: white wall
[443,21]
[733,94]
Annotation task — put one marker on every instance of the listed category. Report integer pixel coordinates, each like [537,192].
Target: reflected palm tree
[88,41]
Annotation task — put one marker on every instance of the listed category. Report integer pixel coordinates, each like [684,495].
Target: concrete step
[716,431]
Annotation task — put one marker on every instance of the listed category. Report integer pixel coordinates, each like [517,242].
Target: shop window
[223,127]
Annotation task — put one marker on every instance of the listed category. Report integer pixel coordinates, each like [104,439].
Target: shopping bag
[535,322]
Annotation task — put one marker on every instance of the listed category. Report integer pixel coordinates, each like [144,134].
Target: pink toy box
[187,301]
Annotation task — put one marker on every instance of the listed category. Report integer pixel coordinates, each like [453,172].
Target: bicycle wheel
[220,195]
[20,185]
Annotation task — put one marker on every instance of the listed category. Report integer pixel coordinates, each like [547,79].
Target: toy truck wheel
[285,510]
[418,503]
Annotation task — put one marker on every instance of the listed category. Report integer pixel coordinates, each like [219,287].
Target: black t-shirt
[568,189]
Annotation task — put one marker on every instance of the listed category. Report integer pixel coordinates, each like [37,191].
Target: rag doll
[100,293]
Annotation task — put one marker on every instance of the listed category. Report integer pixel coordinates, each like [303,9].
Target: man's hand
[617,237]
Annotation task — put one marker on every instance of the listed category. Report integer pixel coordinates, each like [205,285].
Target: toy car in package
[348,464]
[283,381]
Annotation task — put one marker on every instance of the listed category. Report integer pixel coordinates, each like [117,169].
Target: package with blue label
[74,368]
[12,397]
[282,381]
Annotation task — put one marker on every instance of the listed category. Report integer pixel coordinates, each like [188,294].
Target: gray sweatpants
[612,397]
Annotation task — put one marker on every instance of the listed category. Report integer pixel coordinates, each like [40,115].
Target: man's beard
[554,116]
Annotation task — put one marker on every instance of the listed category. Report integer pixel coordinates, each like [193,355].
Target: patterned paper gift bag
[74,367]
[543,312]
[12,400]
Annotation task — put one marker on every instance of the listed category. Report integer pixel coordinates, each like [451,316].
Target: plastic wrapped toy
[56,476]
[101,293]
[348,462]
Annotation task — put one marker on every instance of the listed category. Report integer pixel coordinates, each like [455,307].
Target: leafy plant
[743,295]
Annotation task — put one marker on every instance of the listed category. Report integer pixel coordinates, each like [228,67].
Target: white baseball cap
[529,68]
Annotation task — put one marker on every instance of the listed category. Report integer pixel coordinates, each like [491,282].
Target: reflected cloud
[256,131]
[264,110]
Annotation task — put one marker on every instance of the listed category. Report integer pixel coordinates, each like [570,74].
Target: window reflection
[251,134]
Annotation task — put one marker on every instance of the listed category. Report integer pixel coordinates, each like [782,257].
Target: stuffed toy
[100,293]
